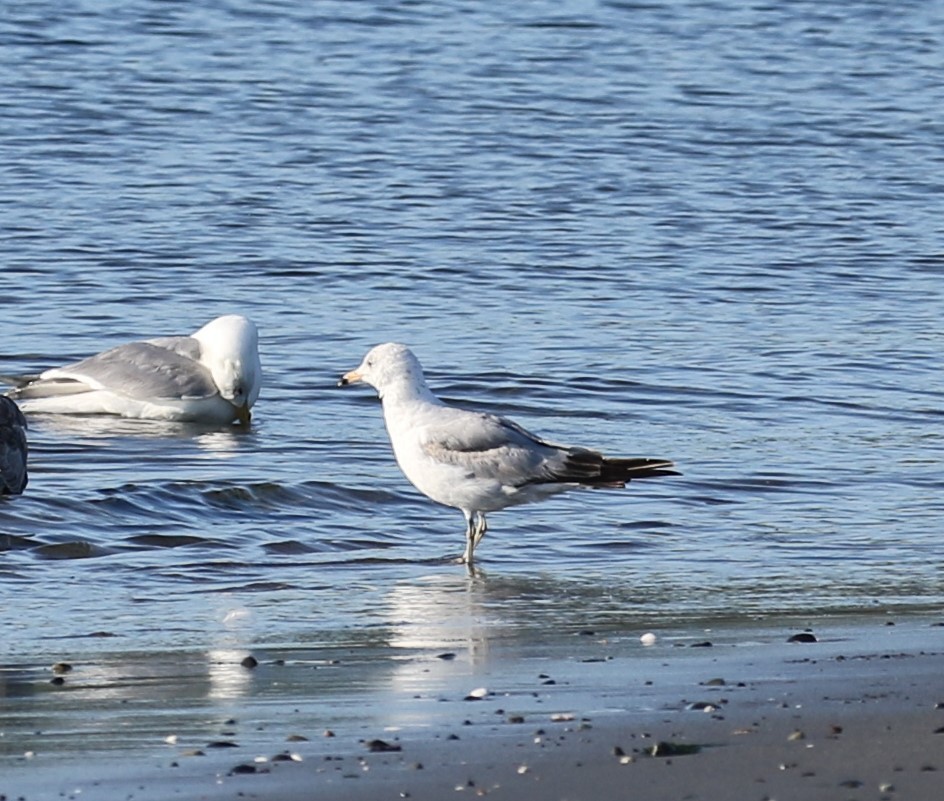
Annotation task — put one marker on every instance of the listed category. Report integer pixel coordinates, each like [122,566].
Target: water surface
[702,231]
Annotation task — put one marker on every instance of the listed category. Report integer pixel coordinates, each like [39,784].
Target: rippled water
[702,231]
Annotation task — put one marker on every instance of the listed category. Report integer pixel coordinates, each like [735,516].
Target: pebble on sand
[803,636]
[382,746]
[668,749]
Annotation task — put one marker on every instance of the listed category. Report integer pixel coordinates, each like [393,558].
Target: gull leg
[470,541]
[474,533]
[475,528]
[480,529]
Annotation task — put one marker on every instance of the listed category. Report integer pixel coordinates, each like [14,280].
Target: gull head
[229,348]
[387,368]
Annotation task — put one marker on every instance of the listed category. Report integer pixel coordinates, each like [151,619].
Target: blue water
[697,230]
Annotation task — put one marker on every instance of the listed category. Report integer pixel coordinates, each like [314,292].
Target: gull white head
[229,348]
[392,370]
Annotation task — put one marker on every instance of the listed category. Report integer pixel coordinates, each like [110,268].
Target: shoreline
[857,714]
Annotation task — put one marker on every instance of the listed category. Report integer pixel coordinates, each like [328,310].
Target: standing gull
[211,376]
[473,461]
[13,448]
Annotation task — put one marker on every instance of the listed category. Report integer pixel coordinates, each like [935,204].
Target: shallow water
[699,231]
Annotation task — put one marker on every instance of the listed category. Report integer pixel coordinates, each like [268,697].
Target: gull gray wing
[491,447]
[185,346]
[136,370]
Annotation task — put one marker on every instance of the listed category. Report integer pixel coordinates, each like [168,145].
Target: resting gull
[211,376]
[13,448]
[473,461]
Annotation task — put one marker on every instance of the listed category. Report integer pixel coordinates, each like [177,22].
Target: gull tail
[591,469]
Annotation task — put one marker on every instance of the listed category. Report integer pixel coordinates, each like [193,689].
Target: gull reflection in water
[228,678]
[218,442]
[445,618]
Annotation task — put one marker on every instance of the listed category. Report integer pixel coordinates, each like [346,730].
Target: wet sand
[857,714]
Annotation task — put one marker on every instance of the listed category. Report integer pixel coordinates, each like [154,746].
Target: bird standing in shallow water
[13,448]
[478,462]
[211,376]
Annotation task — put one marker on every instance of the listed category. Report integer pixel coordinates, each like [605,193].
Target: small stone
[62,667]
[250,662]
[886,787]
[803,636]
[222,744]
[382,746]
[667,749]
[718,682]
[244,768]
[648,638]
[702,706]
[796,735]
[446,656]
[57,681]
[705,644]
[328,733]
[296,738]
[522,769]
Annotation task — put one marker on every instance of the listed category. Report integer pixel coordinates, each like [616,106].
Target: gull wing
[495,448]
[140,370]
[185,346]
[491,447]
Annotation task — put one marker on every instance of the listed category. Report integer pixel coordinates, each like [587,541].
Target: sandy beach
[735,713]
